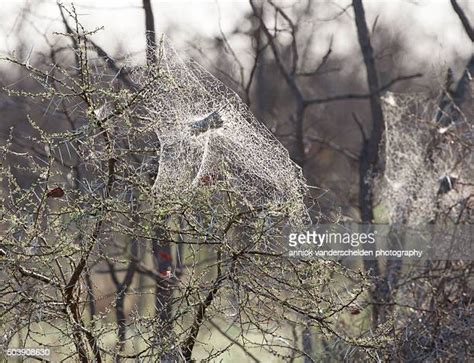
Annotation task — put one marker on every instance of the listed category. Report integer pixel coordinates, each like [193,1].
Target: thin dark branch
[188,344]
[294,47]
[360,126]
[230,49]
[289,79]
[324,60]
[335,146]
[233,340]
[36,275]
[111,63]
[362,96]
[464,20]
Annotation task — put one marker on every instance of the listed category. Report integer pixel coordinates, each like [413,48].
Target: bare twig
[363,96]
[335,146]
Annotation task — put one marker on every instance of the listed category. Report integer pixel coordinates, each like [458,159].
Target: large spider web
[209,136]
[423,158]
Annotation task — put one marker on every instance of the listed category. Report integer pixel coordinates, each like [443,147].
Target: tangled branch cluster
[167,186]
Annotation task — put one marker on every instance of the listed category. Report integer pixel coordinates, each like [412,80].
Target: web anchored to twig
[208,135]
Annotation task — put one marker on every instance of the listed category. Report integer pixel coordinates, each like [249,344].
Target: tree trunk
[370,150]
[150,33]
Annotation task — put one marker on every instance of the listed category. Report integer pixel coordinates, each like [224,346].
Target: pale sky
[431,27]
